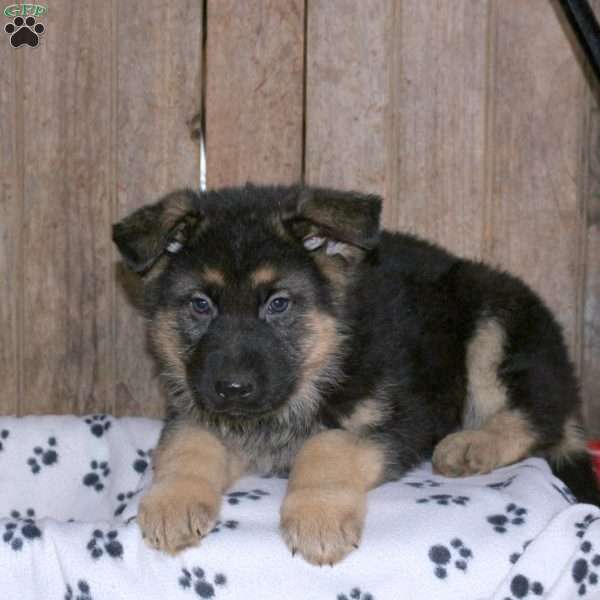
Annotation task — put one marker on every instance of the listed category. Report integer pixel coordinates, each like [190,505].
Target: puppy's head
[244,290]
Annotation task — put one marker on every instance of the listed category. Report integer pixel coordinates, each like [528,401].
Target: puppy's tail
[577,472]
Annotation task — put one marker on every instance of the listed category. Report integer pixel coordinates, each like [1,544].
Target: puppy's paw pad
[174,516]
[323,526]
[466,453]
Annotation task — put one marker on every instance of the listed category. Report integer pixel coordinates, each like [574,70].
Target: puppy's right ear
[153,230]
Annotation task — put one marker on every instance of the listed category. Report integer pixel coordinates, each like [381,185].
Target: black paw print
[582,526]
[355,594]
[500,485]
[236,497]
[123,498]
[100,471]
[102,542]
[197,581]
[515,556]
[231,524]
[82,591]
[421,484]
[46,457]
[444,500]
[515,515]
[24,31]
[3,435]
[141,463]
[22,528]
[99,424]
[585,568]
[521,587]
[442,556]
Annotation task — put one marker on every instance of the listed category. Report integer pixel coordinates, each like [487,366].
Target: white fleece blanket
[69,488]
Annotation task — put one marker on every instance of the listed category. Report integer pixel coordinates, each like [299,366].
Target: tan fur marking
[368,413]
[486,394]
[323,339]
[323,513]
[504,439]
[163,335]
[213,276]
[263,276]
[572,443]
[192,469]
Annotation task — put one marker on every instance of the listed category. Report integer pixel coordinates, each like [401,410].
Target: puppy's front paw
[323,525]
[466,453]
[177,513]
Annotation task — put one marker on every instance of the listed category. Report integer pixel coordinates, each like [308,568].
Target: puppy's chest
[268,448]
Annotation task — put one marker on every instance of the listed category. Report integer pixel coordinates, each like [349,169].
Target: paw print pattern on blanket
[237,497]
[123,499]
[21,529]
[443,557]
[514,515]
[197,581]
[230,524]
[515,556]
[500,485]
[83,591]
[99,424]
[444,500]
[585,568]
[355,594]
[102,543]
[3,437]
[140,464]
[99,472]
[521,587]
[582,526]
[43,456]
[421,484]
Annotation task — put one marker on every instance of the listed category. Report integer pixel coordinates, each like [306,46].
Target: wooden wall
[473,118]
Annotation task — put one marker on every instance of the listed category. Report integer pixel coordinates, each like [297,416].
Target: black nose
[234,390]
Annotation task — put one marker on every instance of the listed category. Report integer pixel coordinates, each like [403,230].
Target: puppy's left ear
[157,229]
[334,222]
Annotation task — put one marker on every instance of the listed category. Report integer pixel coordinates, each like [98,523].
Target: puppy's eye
[278,305]
[201,305]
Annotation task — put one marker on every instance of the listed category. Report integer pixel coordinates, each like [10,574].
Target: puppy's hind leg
[504,438]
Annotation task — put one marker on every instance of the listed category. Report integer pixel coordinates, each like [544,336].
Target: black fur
[404,311]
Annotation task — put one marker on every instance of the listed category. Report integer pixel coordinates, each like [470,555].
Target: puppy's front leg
[323,513]
[192,469]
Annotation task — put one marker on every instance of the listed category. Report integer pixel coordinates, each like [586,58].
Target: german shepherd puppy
[295,336]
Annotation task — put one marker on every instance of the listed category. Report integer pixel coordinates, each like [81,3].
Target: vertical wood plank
[254,91]
[396,105]
[66,252]
[538,97]
[158,78]
[347,93]
[437,133]
[590,376]
[11,198]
